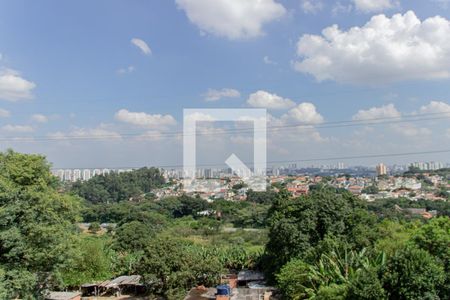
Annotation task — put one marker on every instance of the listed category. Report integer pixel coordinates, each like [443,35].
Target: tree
[412,274]
[331,276]
[434,237]
[372,189]
[91,262]
[133,236]
[170,267]
[366,286]
[115,187]
[37,231]
[298,225]
[184,205]
[94,227]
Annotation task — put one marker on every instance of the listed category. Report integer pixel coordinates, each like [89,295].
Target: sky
[104,83]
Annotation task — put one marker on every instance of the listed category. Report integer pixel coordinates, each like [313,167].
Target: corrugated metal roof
[61,295]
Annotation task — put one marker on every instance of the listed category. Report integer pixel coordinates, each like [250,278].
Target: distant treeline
[115,187]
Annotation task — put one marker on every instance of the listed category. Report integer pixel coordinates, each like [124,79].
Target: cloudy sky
[104,83]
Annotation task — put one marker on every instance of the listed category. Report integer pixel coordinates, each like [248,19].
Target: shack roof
[62,295]
[249,275]
[121,280]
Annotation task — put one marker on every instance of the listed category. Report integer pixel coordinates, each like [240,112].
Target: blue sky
[69,67]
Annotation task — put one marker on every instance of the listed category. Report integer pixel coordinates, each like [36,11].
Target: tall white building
[76,175]
[68,175]
[60,174]
[86,174]
[96,172]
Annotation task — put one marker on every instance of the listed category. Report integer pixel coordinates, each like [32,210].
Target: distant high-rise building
[381,169]
[76,175]
[86,174]
[96,172]
[68,175]
[60,174]
[428,166]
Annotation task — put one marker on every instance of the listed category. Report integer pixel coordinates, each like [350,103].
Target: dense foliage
[324,245]
[37,232]
[115,187]
[328,246]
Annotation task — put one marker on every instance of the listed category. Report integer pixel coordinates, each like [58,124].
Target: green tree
[37,231]
[298,225]
[133,236]
[94,227]
[434,237]
[366,286]
[170,267]
[90,263]
[412,274]
[115,187]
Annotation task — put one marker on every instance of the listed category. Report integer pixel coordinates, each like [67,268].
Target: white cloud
[4,113]
[17,128]
[304,113]
[268,61]
[311,6]
[341,8]
[13,87]
[410,130]
[264,99]
[383,50]
[385,111]
[215,95]
[100,132]
[39,118]
[142,46]
[368,6]
[233,19]
[435,107]
[127,70]
[145,120]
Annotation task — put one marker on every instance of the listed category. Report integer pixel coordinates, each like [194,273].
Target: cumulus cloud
[144,120]
[385,111]
[4,113]
[384,50]
[311,6]
[17,128]
[215,95]
[265,99]
[233,19]
[142,45]
[304,113]
[39,118]
[374,5]
[435,107]
[13,87]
